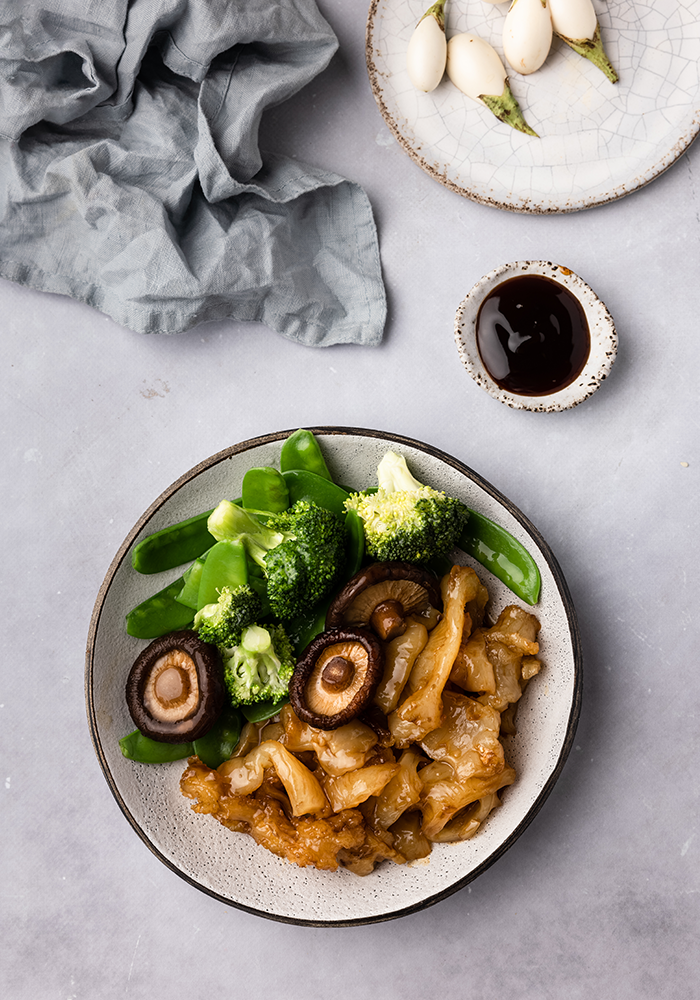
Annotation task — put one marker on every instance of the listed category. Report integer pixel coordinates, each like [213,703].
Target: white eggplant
[576,23]
[476,69]
[527,35]
[427,50]
[573,18]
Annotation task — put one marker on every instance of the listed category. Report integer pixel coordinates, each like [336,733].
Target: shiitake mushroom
[336,677]
[382,596]
[175,689]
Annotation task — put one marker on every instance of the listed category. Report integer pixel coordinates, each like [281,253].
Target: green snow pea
[213,748]
[173,546]
[140,748]
[218,744]
[192,577]
[355,547]
[160,614]
[305,627]
[264,489]
[301,450]
[226,565]
[497,550]
[262,710]
[303,485]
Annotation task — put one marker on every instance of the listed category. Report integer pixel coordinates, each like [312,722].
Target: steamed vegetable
[502,554]
[222,623]
[301,551]
[172,546]
[426,57]
[259,666]
[476,69]
[159,614]
[301,450]
[405,520]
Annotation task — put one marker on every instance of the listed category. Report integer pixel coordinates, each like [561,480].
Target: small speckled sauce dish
[596,364]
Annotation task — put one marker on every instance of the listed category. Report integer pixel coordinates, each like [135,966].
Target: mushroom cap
[175,689]
[413,587]
[336,677]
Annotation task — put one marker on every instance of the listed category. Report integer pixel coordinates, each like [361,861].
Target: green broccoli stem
[229,521]
[393,474]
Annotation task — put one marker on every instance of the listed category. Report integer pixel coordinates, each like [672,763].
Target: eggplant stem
[507,110]
[437,11]
[592,49]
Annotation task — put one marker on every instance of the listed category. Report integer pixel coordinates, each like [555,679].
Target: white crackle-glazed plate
[230,866]
[598,141]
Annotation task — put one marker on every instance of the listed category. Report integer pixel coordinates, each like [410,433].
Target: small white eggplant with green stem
[427,50]
[527,35]
[576,23]
[476,69]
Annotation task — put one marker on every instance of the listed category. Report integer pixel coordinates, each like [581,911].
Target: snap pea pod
[172,546]
[160,614]
[212,749]
[302,451]
[264,489]
[218,744]
[192,577]
[502,554]
[262,710]
[140,748]
[355,546]
[305,627]
[226,566]
[303,485]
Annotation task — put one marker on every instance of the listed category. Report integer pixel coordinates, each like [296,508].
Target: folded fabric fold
[131,176]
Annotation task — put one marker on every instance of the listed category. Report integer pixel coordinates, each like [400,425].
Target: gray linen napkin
[131,177]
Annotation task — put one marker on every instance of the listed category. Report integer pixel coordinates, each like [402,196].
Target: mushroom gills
[175,689]
[383,596]
[324,694]
[171,690]
[335,679]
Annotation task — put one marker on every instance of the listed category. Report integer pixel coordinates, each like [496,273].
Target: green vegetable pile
[263,568]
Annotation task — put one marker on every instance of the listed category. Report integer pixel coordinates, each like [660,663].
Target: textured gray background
[600,896]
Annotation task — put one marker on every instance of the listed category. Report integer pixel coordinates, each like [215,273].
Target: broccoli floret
[406,520]
[301,551]
[259,666]
[221,623]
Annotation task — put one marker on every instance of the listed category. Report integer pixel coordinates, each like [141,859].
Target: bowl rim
[431,451]
[601,325]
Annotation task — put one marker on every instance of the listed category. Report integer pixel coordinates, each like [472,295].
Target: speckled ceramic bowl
[600,323]
[230,866]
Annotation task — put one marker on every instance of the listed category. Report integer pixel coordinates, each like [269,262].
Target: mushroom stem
[388,620]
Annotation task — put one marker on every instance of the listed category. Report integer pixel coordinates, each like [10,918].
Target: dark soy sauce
[532,335]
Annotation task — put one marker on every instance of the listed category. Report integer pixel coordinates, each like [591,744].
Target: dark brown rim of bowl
[396,439]
[666,161]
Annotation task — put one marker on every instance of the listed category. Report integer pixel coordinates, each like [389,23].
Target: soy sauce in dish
[532,335]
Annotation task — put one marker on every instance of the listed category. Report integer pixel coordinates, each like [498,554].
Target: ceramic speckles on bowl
[231,867]
[597,141]
[600,324]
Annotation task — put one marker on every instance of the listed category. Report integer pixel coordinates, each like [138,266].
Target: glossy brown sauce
[532,335]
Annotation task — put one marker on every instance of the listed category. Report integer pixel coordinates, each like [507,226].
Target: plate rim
[668,159]
[432,451]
